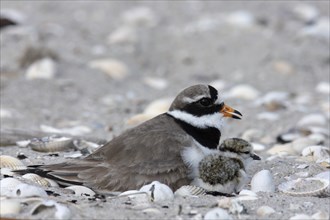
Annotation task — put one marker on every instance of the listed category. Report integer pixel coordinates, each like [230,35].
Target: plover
[166,148]
[224,172]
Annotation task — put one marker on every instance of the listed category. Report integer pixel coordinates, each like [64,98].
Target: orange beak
[230,112]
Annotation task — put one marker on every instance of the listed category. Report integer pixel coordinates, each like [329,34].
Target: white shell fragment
[300,217]
[62,211]
[318,153]
[245,195]
[265,211]
[190,190]
[51,144]
[25,190]
[263,182]
[305,187]
[233,205]
[11,162]
[81,190]
[36,179]
[114,68]
[243,91]
[7,185]
[41,69]
[158,191]
[217,213]
[258,147]
[9,207]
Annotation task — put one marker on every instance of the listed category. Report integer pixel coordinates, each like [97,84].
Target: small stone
[323,87]
[242,19]
[217,213]
[156,83]
[41,69]
[243,91]
[114,68]
[269,116]
[140,16]
[283,67]
[123,35]
[312,119]
[265,211]
[320,29]
[321,215]
[263,182]
[252,135]
[258,147]
[5,113]
[306,13]
[300,217]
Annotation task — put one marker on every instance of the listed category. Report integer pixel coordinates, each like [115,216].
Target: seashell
[269,116]
[312,119]
[252,135]
[305,187]
[156,83]
[75,154]
[281,149]
[233,205]
[36,179]
[299,144]
[242,91]
[318,153]
[140,16]
[258,147]
[25,190]
[324,175]
[5,113]
[265,211]
[62,211]
[52,182]
[123,35]
[114,68]
[23,143]
[74,131]
[246,192]
[263,182]
[306,13]
[273,100]
[9,207]
[158,191]
[81,190]
[217,213]
[242,19]
[129,192]
[44,68]
[189,190]
[300,217]
[7,185]
[155,108]
[11,162]
[320,29]
[323,87]
[320,215]
[51,144]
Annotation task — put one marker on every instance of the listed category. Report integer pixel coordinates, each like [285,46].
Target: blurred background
[94,67]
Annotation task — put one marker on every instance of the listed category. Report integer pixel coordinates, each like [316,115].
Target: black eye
[205,101]
[246,152]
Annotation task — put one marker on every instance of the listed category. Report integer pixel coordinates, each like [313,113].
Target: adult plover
[167,148]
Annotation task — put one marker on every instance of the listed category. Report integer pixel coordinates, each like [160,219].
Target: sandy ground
[163,47]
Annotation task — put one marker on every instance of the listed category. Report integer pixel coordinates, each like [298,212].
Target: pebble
[252,134]
[42,69]
[320,29]
[306,13]
[243,19]
[116,69]
[74,131]
[265,211]
[300,217]
[274,100]
[233,205]
[321,215]
[263,182]
[156,83]
[269,116]
[242,91]
[323,88]
[258,147]
[283,67]
[318,153]
[217,213]
[123,35]
[5,113]
[281,149]
[312,120]
[140,16]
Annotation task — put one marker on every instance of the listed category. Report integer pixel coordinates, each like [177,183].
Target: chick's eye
[246,152]
[205,101]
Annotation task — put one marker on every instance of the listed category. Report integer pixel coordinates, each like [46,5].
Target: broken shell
[299,144]
[320,215]
[258,147]
[62,212]
[245,195]
[25,190]
[263,182]
[51,144]
[36,179]
[190,190]
[305,187]
[81,190]
[7,185]
[11,163]
[264,211]
[217,213]
[158,191]
[274,100]
[233,205]
[41,69]
[52,183]
[9,207]
[318,153]
[252,135]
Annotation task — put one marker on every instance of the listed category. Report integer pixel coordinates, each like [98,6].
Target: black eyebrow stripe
[213,93]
